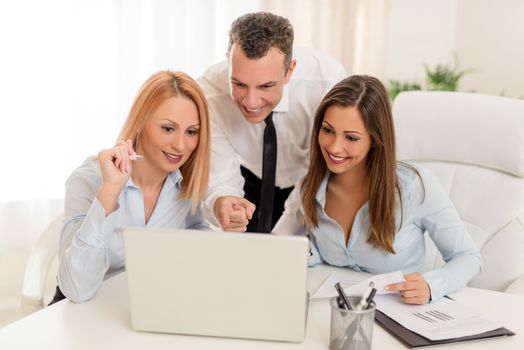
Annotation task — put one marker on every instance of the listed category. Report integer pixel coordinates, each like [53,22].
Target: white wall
[490,39]
[419,32]
[486,35]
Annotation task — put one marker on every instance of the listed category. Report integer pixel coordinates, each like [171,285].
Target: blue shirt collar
[321,193]
[174,179]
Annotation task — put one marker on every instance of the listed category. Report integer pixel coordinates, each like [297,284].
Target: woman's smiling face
[171,134]
[343,139]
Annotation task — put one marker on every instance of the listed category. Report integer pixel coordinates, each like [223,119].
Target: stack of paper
[357,286]
[443,319]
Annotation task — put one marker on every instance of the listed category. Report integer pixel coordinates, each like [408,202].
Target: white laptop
[240,285]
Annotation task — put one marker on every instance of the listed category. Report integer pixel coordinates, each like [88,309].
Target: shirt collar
[174,179]
[321,193]
[283,105]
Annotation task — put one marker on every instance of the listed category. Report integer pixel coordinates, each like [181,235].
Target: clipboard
[414,340]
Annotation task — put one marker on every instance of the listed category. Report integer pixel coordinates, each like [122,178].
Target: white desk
[104,323]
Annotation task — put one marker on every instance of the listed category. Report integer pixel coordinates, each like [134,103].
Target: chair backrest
[474,144]
[41,260]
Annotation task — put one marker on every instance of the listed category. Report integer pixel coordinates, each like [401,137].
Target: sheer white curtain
[352,31]
[69,71]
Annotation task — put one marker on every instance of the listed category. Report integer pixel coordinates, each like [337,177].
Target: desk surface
[104,323]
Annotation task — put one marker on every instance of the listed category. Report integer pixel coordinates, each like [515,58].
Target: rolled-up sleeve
[83,253]
[292,223]
[225,179]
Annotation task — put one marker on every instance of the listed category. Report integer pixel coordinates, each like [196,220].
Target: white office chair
[40,273]
[474,144]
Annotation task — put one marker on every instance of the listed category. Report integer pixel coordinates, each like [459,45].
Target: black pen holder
[351,329]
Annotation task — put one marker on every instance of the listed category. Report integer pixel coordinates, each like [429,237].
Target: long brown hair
[158,88]
[370,98]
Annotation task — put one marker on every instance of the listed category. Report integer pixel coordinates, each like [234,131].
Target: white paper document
[443,319]
[357,286]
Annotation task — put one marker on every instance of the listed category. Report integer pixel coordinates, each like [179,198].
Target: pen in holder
[351,329]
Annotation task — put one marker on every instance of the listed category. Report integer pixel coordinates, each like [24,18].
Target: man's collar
[283,105]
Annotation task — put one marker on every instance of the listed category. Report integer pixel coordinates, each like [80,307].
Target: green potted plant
[397,86]
[444,77]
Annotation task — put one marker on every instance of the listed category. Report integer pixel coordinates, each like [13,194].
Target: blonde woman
[364,210]
[168,127]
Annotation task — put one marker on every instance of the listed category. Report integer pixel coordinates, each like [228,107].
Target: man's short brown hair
[256,33]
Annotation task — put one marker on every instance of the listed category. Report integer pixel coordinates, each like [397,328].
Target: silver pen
[363,301]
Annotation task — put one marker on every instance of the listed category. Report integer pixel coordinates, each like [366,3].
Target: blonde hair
[158,88]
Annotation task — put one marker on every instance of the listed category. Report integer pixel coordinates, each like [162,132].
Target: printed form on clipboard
[440,320]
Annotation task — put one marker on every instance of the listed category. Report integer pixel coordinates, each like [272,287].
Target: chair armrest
[517,287]
[42,254]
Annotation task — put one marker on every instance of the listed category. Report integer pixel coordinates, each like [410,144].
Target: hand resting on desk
[415,290]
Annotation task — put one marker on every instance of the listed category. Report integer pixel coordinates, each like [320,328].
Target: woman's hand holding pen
[115,164]
[414,290]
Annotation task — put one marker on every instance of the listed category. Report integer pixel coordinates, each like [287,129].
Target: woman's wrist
[108,196]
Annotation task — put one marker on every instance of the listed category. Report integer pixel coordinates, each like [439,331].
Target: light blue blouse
[425,208]
[91,244]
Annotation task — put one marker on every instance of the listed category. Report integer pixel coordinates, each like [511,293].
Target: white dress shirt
[235,141]
[91,243]
[425,208]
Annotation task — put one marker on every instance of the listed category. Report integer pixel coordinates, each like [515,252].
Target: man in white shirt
[262,82]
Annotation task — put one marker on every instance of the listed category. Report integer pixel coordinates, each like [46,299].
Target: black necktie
[269,167]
